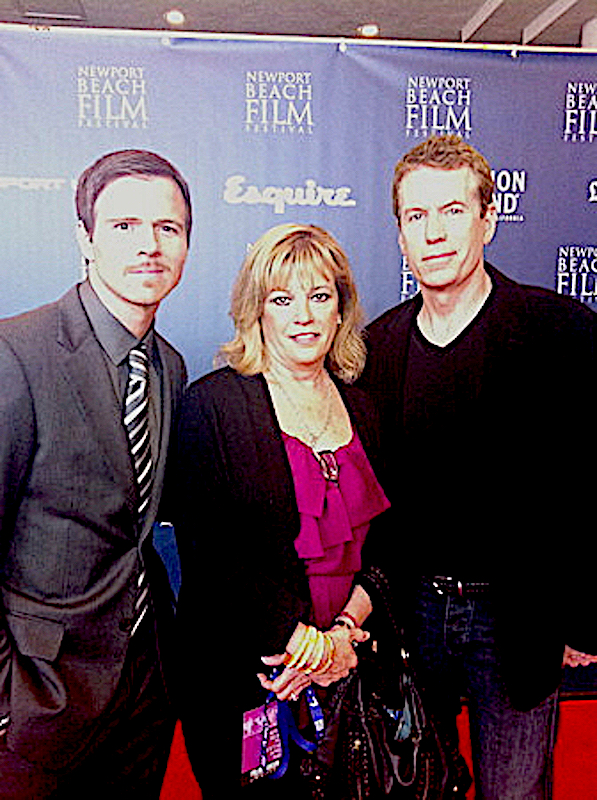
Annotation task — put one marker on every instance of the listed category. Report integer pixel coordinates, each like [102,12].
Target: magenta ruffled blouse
[334,519]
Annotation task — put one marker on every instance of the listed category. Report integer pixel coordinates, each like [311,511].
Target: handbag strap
[379,582]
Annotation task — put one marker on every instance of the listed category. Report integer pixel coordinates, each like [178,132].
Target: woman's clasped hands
[313,656]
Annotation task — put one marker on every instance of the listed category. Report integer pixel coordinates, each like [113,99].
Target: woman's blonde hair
[301,250]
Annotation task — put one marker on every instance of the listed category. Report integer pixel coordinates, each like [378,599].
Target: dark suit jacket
[243,586]
[498,489]
[71,551]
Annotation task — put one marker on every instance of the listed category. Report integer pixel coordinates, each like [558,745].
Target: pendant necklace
[312,436]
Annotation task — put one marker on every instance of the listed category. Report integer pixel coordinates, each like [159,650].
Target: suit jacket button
[125,624]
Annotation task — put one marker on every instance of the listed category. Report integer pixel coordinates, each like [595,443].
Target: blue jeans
[454,655]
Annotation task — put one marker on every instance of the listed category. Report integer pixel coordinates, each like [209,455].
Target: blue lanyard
[316,713]
[287,728]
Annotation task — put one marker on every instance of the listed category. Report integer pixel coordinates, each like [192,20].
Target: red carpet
[179,783]
[575,761]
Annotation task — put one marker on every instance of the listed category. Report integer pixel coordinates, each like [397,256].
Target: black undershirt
[444,443]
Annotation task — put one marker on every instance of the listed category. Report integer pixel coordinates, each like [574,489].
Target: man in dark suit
[471,377]
[88,393]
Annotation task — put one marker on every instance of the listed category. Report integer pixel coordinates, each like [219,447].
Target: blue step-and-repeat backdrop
[271,130]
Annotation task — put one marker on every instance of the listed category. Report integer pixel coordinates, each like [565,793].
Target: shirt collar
[116,340]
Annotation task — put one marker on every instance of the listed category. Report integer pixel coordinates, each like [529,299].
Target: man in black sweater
[470,377]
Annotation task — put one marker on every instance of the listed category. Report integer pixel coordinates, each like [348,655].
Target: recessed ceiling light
[369,30]
[174,17]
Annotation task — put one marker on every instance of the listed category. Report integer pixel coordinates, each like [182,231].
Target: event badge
[262,745]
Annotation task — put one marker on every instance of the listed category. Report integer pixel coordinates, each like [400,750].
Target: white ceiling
[536,22]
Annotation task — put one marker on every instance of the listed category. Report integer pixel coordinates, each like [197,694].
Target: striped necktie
[136,423]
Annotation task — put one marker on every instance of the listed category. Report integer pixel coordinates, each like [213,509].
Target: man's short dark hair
[125,164]
[445,152]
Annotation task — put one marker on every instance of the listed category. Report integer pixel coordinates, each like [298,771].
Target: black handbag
[378,740]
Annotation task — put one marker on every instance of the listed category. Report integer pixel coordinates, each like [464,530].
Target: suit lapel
[82,363]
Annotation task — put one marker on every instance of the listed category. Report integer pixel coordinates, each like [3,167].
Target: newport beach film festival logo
[111,97]
[580,111]
[438,104]
[278,102]
[576,273]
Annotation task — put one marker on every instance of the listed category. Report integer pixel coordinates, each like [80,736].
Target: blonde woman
[275,471]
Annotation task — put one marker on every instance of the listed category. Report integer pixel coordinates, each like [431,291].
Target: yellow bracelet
[322,654]
[311,638]
[291,658]
[331,649]
[317,654]
[300,649]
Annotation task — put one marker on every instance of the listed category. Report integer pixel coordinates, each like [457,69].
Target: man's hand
[574,658]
